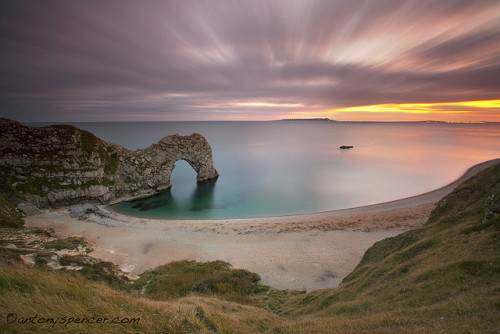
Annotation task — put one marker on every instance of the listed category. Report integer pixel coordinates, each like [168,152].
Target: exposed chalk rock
[62,165]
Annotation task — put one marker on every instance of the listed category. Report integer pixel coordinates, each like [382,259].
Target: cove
[283,168]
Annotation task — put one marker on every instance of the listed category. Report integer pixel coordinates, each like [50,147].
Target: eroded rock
[61,165]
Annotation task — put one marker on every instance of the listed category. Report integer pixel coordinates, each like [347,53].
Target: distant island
[308,119]
[337,121]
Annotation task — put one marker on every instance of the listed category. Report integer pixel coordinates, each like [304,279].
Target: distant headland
[337,121]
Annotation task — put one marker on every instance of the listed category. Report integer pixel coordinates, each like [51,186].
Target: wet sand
[300,252]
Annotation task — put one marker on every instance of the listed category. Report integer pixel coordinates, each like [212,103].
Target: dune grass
[181,278]
[26,292]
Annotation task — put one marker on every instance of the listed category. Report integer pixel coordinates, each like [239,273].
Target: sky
[186,60]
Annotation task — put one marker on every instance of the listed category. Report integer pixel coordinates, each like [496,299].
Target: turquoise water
[281,168]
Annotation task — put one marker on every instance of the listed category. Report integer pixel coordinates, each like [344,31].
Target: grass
[90,144]
[70,243]
[88,141]
[10,216]
[26,293]
[101,271]
[182,278]
[60,165]
[441,278]
[110,160]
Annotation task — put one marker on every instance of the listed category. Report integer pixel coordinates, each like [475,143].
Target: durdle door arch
[195,150]
[61,165]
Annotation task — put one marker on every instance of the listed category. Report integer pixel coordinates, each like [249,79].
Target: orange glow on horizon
[425,108]
[460,112]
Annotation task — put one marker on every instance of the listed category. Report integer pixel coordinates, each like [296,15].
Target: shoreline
[299,252]
[348,218]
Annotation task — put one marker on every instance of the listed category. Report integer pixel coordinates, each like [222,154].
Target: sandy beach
[300,252]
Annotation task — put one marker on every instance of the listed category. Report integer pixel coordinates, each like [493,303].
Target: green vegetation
[181,278]
[88,141]
[60,165]
[42,186]
[441,278]
[70,243]
[38,186]
[111,161]
[90,144]
[10,216]
[47,294]
[97,271]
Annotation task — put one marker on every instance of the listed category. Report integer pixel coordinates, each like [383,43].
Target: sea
[276,168]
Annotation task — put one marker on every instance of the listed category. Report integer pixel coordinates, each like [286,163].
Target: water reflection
[162,199]
[200,203]
[202,198]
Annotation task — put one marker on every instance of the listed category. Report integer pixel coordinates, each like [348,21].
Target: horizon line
[270,120]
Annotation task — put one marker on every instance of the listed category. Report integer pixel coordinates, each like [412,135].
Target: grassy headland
[441,278]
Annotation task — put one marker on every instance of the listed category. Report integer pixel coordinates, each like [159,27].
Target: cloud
[188,60]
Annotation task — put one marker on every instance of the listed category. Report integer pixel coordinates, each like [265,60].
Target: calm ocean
[289,167]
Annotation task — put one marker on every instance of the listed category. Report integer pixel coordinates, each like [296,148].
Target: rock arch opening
[182,172]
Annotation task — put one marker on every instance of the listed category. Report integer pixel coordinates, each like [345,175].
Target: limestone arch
[195,150]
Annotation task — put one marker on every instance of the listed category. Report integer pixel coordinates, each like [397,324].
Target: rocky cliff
[61,165]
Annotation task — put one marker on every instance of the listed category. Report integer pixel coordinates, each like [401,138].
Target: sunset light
[252,166]
[469,107]
[381,60]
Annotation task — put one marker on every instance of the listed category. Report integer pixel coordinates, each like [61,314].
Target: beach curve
[300,252]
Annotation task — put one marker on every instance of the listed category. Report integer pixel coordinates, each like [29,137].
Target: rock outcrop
[61,165]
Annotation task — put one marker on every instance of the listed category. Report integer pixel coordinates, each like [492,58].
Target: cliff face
[61,164]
